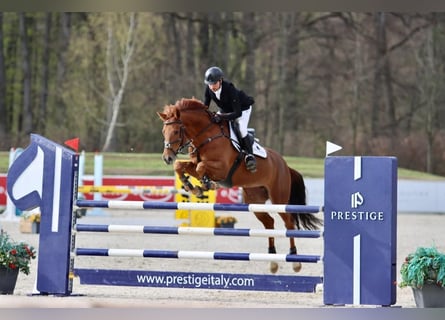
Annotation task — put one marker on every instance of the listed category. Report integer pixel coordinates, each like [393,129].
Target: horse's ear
[163,116]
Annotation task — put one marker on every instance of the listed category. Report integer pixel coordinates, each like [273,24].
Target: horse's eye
[176,132]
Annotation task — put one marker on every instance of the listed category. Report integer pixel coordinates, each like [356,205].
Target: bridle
[183,135]
[180,140]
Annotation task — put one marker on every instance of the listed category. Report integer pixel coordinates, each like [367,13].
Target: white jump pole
[98,180]
[81,171]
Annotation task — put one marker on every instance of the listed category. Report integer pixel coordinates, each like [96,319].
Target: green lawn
[150,164]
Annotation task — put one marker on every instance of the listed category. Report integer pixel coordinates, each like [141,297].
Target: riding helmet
[213,75]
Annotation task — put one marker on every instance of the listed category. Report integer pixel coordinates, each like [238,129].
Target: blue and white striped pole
[141,205]
[197,231]
[207,255]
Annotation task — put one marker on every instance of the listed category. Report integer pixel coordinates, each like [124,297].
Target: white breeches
[243,121]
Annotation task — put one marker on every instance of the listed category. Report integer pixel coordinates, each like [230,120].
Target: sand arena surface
[413,230]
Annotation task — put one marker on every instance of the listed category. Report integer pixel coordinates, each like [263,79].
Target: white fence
[412,195]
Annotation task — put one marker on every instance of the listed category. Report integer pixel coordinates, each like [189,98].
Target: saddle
[257,149]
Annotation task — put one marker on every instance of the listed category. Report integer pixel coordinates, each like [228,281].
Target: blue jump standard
[194,280]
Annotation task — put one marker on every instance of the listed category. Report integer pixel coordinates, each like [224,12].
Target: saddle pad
[257,149]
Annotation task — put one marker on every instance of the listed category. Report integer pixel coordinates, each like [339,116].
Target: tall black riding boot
[250,158]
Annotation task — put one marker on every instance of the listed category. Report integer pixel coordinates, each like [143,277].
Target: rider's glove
[216,118]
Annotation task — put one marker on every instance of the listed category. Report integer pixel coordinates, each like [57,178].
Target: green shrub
[425,265]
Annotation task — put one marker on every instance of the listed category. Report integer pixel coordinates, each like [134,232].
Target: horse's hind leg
[268,223]
[290,225]
[284,191]
[259,195]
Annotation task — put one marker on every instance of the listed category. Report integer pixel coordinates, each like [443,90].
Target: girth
[227,182]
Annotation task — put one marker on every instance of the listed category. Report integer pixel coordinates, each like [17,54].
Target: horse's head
[184,121]
[174,134]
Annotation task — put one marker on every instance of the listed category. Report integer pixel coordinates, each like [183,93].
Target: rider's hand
[216,118]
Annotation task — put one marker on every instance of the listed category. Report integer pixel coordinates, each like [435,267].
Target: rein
[208,140]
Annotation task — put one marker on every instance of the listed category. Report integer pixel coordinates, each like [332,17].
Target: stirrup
[250,162]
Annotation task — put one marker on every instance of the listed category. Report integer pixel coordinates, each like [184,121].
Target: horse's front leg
[206,182]
[187,167]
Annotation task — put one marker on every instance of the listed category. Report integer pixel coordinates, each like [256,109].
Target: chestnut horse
[188,126]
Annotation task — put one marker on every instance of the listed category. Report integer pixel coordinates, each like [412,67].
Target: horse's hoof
[198,192]
[273,267]
[296,266]
[213,186]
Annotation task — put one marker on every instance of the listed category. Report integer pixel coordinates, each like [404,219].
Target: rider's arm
[235,104]
[207,97]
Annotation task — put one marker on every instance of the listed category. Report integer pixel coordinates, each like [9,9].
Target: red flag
[73,144]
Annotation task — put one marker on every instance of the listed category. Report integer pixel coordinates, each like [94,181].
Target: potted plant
[30,222]
[14,257]
[225,221]
[424,272]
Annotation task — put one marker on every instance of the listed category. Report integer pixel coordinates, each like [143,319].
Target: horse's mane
[173,110]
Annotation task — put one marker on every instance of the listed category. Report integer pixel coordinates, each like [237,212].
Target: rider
[234,105]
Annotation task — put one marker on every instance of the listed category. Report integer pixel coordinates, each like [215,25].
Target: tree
[45,73]
[3,128]
[430,81]
[120,48]
[27,112]
[372,82]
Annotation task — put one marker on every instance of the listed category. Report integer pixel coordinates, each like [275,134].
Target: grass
[151,164]
[314,168]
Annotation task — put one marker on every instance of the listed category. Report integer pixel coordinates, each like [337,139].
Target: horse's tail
[307,221]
